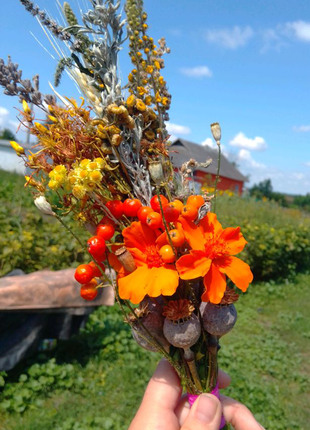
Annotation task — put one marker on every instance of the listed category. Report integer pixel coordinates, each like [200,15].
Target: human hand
[164,408]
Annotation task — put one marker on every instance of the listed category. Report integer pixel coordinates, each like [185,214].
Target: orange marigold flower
[152,277]
[212,257]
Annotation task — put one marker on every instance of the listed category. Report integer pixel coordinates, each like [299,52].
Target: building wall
[223,184]
[9,160]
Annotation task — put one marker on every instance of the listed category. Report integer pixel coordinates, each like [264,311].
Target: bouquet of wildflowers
[106,161]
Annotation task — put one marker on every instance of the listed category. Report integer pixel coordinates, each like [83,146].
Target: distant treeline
[264,190]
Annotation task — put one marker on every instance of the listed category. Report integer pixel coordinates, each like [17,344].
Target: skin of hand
[164,408]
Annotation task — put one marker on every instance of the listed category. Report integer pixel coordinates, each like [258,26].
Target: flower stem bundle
[106,161]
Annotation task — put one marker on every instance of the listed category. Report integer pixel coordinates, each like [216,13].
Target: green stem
[212,362]
[168,192]
[69,230]
[217,174]
[194,373]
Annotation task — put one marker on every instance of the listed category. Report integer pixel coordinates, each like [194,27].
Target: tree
[262,189]
[7,134]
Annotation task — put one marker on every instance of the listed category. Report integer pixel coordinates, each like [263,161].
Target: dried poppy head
[219,319]
[178,310]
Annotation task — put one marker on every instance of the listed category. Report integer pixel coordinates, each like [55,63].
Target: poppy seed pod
[126,259]
[216,131]
[219,320]
[152,320]
[156,171]
[182,334]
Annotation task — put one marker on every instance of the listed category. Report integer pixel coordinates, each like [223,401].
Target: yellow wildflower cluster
[58,177]
[85,176]
[211,190]
[137,106]
[145,80]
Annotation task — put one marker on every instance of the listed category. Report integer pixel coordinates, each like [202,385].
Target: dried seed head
[153,321]
[182,334]
[156,171]
[230,297]
[216,131]
[219,320]
[126,259]
[116,139]
[43,205]
[178,310]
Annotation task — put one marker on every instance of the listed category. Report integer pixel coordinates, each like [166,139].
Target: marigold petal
[210,225]
[114,262]
[234,239]
[138,235]
[162,280]
[121,273]
[162,240]
[237,270]
[133,286]
[193,265]
[153,282]
[193,234]
[138,255]
[215,285]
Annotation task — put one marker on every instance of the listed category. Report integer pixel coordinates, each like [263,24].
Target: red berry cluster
[152,217]
[85,274]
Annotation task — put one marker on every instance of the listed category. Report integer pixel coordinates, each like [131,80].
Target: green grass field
[96,380]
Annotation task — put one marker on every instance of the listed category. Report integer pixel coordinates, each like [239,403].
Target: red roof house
[230,178]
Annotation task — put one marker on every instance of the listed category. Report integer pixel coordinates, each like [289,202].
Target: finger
[182,410]
[183,407]
[205,414]
[223,379]
[239,415]
[160,399]
[164,388]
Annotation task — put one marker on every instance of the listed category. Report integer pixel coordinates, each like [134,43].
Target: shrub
[28,240]
[279,243]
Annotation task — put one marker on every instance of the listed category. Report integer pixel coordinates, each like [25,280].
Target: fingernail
[206,408]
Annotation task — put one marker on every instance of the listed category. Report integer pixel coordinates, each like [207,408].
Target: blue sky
[243,63]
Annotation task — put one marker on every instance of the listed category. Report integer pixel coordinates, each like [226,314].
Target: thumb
[205,414]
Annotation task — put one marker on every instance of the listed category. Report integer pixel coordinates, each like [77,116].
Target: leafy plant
[279,244]
[28,240]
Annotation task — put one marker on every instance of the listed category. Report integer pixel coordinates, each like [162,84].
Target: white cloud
[302,128]
[3,112]
[272,39]
[297,175]
[276,38]
[209,142]
[177,129]
[241,141]
[6,121]
[230,38]
[175,32]
[245,159]
[299,29]
[197,72]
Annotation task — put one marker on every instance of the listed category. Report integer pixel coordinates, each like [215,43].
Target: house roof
[182,150]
